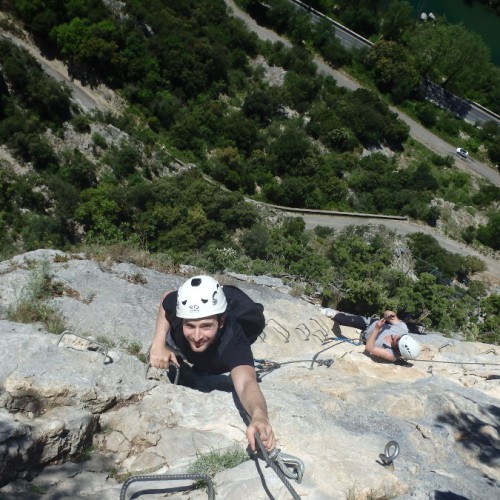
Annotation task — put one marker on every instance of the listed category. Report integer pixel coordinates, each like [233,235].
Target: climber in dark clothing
[213,327]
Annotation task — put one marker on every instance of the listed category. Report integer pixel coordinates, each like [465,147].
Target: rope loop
[292,467]
[282,470]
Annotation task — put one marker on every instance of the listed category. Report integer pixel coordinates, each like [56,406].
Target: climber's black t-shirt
[244,323]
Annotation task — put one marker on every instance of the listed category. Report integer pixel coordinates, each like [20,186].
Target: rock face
[80,412]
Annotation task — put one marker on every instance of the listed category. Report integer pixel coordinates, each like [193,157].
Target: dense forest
[195,92]
[406,49]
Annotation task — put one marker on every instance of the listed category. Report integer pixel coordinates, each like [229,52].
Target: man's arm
[254,403]
[370,343]
[159,355]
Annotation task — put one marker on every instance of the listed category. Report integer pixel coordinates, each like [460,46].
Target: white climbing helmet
[199,297]
[408,347]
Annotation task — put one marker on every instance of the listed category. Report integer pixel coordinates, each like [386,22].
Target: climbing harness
[170,477]
[104,352]
[391,451]
[285,466]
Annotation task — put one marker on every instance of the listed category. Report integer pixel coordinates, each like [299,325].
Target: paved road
[434,143]
[84,96]
[338,223]
[419,133]
[56,69]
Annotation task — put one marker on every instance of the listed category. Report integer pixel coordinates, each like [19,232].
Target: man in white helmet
[213,328]
[388,339]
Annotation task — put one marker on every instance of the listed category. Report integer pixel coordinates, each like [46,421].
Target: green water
[474,16]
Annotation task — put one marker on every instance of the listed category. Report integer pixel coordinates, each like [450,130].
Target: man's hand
[261,426]
[161,357]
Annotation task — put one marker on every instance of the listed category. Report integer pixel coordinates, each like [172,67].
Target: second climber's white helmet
[199,297]
[408,347]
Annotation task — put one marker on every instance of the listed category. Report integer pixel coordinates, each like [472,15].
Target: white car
[462,152]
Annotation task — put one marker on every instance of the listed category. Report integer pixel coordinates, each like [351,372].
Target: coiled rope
[170,477]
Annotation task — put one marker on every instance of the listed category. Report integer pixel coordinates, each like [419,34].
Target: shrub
[217,461]
[31,305]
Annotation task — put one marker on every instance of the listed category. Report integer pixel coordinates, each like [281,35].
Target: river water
[474,16]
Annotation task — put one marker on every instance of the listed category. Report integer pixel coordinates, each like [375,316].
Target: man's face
[201,333]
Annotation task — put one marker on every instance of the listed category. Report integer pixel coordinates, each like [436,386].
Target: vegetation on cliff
[194,92]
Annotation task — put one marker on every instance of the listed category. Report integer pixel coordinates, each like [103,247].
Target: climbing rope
[170,477]
[342,339]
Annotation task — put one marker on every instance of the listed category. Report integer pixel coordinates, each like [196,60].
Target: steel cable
[170,477]
[279,472]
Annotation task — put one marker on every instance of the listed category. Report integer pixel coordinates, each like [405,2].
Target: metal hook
[389,456]
[107,358]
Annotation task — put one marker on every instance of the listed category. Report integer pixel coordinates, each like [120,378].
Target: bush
[31,305]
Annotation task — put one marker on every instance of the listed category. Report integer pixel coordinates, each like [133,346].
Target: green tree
[396,20]
[394,69]
[448,53]
[359,15]
[489,233]
[255,241]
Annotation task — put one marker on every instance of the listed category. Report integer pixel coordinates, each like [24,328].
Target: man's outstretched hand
[261,426]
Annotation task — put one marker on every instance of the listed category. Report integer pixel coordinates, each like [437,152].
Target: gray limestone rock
[79,415]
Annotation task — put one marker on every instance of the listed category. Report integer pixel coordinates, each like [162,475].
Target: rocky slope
[79,412]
